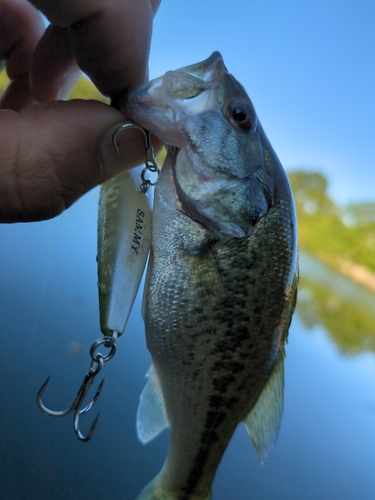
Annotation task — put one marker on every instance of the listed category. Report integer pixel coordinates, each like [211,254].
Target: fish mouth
[162,105]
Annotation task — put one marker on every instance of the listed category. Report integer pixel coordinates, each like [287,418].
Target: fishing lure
[124,239]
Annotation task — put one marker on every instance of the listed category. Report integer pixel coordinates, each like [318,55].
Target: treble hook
[96,365]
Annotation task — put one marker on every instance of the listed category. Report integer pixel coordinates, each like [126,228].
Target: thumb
[51,154]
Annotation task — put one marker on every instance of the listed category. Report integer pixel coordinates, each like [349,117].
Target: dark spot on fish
[231,402]
[224,345]
[196,472]
[221,383]
[210,419]
[237,367]
[218,365]
[257,320]
[203,317]
[216,401]
[244,355]
[214,419]
[242,333]
[241,303]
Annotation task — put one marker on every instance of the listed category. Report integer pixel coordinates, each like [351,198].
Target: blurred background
[309,70]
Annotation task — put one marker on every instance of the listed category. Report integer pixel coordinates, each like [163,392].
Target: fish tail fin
[156,490]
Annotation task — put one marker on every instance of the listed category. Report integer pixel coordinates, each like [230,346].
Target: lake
[49,311]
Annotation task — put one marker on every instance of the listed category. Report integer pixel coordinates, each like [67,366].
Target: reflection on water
[49,319]
[346,310]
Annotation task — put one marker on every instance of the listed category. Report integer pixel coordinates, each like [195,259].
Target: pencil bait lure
[124,239]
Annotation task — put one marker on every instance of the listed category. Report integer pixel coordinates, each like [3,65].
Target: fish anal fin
[151,414]
[263,421]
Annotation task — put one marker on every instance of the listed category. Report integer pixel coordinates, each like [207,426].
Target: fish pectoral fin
[151,414]
[263,421]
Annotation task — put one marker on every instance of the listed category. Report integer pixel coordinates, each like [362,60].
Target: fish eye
[241,115]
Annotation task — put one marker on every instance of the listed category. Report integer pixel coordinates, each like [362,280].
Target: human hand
[52,152]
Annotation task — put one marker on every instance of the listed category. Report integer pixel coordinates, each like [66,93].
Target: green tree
[349,322]
[330,232]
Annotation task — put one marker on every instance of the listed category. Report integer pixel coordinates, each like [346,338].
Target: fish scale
[222,280]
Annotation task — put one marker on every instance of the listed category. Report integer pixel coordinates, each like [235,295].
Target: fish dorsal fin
[263,421]
[151,414]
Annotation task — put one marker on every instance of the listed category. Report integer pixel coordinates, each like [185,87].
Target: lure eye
[241,115]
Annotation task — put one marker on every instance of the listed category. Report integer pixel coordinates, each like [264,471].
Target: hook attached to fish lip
[150,163]
[96,365]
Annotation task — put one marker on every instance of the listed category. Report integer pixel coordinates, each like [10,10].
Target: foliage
[360,214]
[330,232]
[83,89]
[335,235]
[349,321]
[4,81]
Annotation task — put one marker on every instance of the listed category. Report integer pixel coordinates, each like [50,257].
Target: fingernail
[130,146]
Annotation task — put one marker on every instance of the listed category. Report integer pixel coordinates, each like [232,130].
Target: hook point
[80,436]
[41,392]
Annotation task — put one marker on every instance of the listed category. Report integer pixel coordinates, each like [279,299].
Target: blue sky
[308,66]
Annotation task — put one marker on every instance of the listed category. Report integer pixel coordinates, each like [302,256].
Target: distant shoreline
[356,272]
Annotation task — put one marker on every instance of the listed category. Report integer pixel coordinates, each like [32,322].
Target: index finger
[21,27]
[110,41]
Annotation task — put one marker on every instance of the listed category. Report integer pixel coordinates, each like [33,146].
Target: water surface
[49,319]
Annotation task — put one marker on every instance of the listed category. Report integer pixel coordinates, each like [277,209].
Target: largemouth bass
[222,278]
